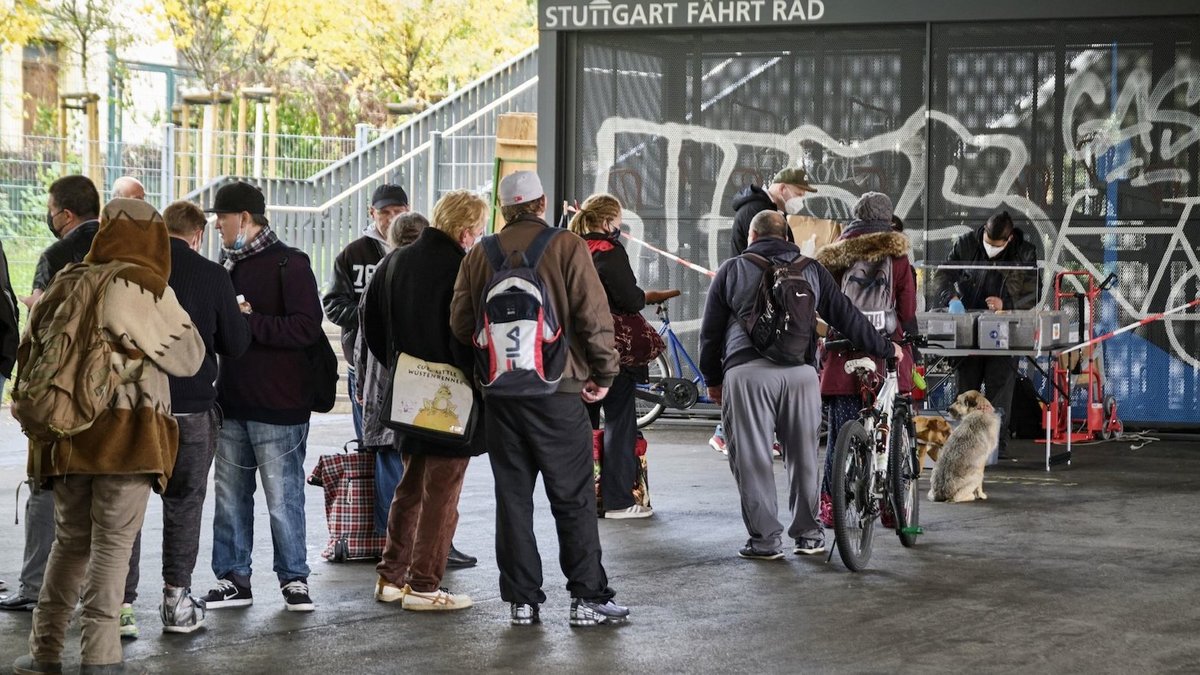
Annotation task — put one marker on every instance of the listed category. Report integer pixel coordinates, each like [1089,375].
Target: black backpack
[321,376]
[783,316]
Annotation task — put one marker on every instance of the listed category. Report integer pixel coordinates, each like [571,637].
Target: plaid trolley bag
[349,483]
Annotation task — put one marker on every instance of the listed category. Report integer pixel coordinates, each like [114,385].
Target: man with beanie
[998,242]
[549,434]
[72,215]
[102,476]
[266,397]
[352,271]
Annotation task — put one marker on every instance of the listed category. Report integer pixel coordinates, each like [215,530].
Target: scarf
[265,238]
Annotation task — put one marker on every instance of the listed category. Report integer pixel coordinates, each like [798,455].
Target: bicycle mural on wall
[1131,142]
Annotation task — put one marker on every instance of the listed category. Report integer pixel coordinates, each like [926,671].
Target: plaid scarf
[265,238]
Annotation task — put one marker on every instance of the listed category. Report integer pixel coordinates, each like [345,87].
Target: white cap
[520,187]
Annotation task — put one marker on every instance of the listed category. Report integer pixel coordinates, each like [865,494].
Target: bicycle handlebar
[846,345]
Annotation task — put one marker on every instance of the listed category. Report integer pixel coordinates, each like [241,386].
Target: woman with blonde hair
[598,221]
[409,312]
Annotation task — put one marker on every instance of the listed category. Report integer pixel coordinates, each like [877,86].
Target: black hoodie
[747,204]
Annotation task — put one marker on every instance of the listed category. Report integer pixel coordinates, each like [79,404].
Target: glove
[956,307]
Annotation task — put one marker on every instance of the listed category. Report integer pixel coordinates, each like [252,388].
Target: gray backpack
[869,286]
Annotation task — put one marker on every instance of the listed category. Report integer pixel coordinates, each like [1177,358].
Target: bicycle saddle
[865,363]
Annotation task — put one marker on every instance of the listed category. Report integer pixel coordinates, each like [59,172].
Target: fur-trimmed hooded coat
[142,318]
[871,241]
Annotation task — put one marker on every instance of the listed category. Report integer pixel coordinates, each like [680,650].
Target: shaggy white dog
[958,474]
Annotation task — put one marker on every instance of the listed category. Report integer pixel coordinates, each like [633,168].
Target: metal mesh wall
[1086,131]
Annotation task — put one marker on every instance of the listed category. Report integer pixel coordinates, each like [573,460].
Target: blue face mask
[240,241]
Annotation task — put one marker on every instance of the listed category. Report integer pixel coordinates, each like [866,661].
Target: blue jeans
[355,407]
[276,452]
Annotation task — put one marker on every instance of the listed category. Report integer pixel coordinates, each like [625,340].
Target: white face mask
[993,251]
[794,205]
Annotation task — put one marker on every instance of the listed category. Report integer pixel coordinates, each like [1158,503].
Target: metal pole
[435,147]
[167,170]
[361,136]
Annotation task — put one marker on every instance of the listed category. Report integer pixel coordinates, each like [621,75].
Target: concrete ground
[1090,568]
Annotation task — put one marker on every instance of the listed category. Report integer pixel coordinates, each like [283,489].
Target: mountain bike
[875,467]
[667,386]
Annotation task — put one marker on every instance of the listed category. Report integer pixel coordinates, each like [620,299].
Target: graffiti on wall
[1142,138]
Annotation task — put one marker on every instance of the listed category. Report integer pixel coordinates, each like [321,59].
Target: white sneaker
[386,591]
[635,511]
[439,600]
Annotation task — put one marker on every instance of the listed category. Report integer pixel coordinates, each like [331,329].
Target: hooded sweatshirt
[140,315]
[746,204]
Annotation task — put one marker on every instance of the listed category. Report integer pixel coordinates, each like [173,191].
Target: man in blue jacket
[761,399]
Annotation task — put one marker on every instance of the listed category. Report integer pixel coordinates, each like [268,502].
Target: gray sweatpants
[39,536]
[763,401]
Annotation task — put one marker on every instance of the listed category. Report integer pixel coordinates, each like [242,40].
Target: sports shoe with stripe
[440,600]
[229,593]
[588,613]
[295,596]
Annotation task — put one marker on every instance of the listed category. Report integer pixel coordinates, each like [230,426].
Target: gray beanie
[873,206]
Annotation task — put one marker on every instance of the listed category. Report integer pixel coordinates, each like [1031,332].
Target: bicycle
[666,387]
[875,467]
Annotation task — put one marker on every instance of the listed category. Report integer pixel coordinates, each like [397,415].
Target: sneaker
[129,629]
[17,603]
[295,596]
[810,545]
[752,553]
[523,614]
[386,591]
[635,511]
[180,612]
[718,443]
[776,450]
[588,613]
[27,665]
[825,515]
[439,600]
[228,593]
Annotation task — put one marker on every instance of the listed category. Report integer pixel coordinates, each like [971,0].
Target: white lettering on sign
[606,14]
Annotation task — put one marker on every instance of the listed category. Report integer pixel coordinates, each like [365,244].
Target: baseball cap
[238,197]
[520,187]
[793,175]
[388,195]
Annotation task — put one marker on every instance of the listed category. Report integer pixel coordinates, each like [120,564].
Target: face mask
[50,224]
[240,241]
[993,251]
[794,205]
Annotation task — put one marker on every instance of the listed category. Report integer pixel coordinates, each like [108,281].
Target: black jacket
[724,342]
[70,249]
[9,332]
[352,269]
[1018,289]
[616,274]
[205,291]
[415,319]
[747,204]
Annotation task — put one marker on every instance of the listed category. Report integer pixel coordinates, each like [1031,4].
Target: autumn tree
[84,22]
[18,21]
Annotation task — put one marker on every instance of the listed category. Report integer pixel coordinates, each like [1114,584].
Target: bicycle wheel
[648,411]
[853,522]
[902,478]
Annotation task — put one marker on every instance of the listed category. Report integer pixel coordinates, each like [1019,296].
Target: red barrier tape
[1125,329]
[681,261]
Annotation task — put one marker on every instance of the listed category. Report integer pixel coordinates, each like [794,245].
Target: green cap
[793,175]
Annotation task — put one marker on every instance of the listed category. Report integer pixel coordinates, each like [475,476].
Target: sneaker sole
[221,604]
[621,515]
[183,629]
[588,623]
[381,597]
[306,607]
[129,636]
[524,622]
[772,556]
[808,551]
[437,608]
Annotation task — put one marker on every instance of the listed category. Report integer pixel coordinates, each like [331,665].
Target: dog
[932,432]
[958,474]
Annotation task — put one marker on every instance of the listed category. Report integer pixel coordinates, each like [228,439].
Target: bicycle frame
[678,356]
[876,419]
